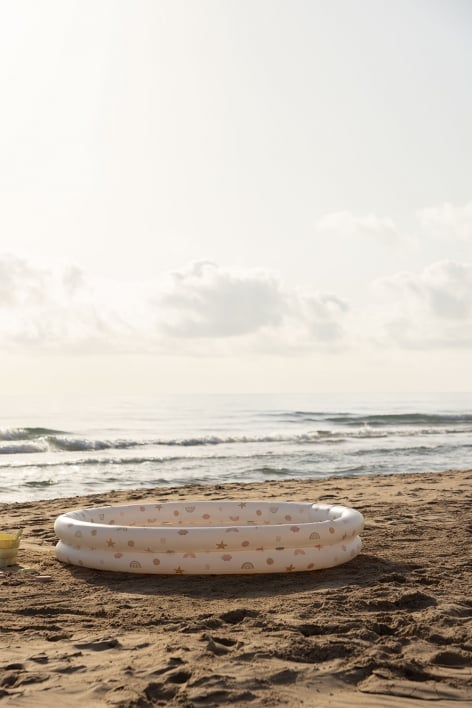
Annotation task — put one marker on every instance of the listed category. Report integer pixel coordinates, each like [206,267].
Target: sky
[235,196]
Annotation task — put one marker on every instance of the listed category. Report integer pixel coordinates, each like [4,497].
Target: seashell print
[189,509]
[135,564]
[232,529]
[234,518]
[273,509]
[299,552]
[314,536]
[247,566]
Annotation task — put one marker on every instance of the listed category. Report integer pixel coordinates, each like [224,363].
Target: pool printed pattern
[210,537]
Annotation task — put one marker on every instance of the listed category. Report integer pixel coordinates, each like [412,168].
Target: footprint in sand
[100,645]
[237,616]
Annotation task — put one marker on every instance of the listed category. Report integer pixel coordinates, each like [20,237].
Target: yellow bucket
[9,544]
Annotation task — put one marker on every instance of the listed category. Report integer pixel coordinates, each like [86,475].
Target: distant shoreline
[166,490]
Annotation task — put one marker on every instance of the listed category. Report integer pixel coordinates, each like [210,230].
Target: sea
[61,446]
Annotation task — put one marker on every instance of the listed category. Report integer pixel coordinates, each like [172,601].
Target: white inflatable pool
[201,537]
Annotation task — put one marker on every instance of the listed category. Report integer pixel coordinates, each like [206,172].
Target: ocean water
[56,447]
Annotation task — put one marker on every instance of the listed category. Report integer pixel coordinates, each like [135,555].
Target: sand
[391,628]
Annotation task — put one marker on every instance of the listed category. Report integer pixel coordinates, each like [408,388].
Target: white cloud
[200,309]
[447,221]
[54,309]
[205,301]
[208,310]
[371,226]
[20,284]
[432,308]
[208,301]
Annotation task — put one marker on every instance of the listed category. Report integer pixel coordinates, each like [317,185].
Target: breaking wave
[27,433]
[387,420]
[40,440]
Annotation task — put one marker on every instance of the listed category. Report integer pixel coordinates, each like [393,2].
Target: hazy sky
[235,195]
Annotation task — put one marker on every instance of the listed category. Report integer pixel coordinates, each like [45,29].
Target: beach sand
[391,628]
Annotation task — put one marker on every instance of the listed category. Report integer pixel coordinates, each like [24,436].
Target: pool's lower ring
[214,562]
[210,537]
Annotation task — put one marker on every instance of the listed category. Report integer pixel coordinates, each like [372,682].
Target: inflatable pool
[201,537]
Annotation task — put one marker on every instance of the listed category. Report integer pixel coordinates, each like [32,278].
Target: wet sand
[391,628]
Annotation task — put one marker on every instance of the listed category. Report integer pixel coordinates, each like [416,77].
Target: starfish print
[242,505]
[179,570]
[290,568]
[110,543]
[221,545]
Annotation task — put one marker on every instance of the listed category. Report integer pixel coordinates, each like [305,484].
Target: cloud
[208,301]
[50,309]
[432,308]
[443,222]
[447,221]
[204,309]
[205,301]
[200,309]
[324,314]
[20,284]
[371,226]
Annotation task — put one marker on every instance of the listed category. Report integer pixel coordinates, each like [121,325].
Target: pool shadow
[364,571]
